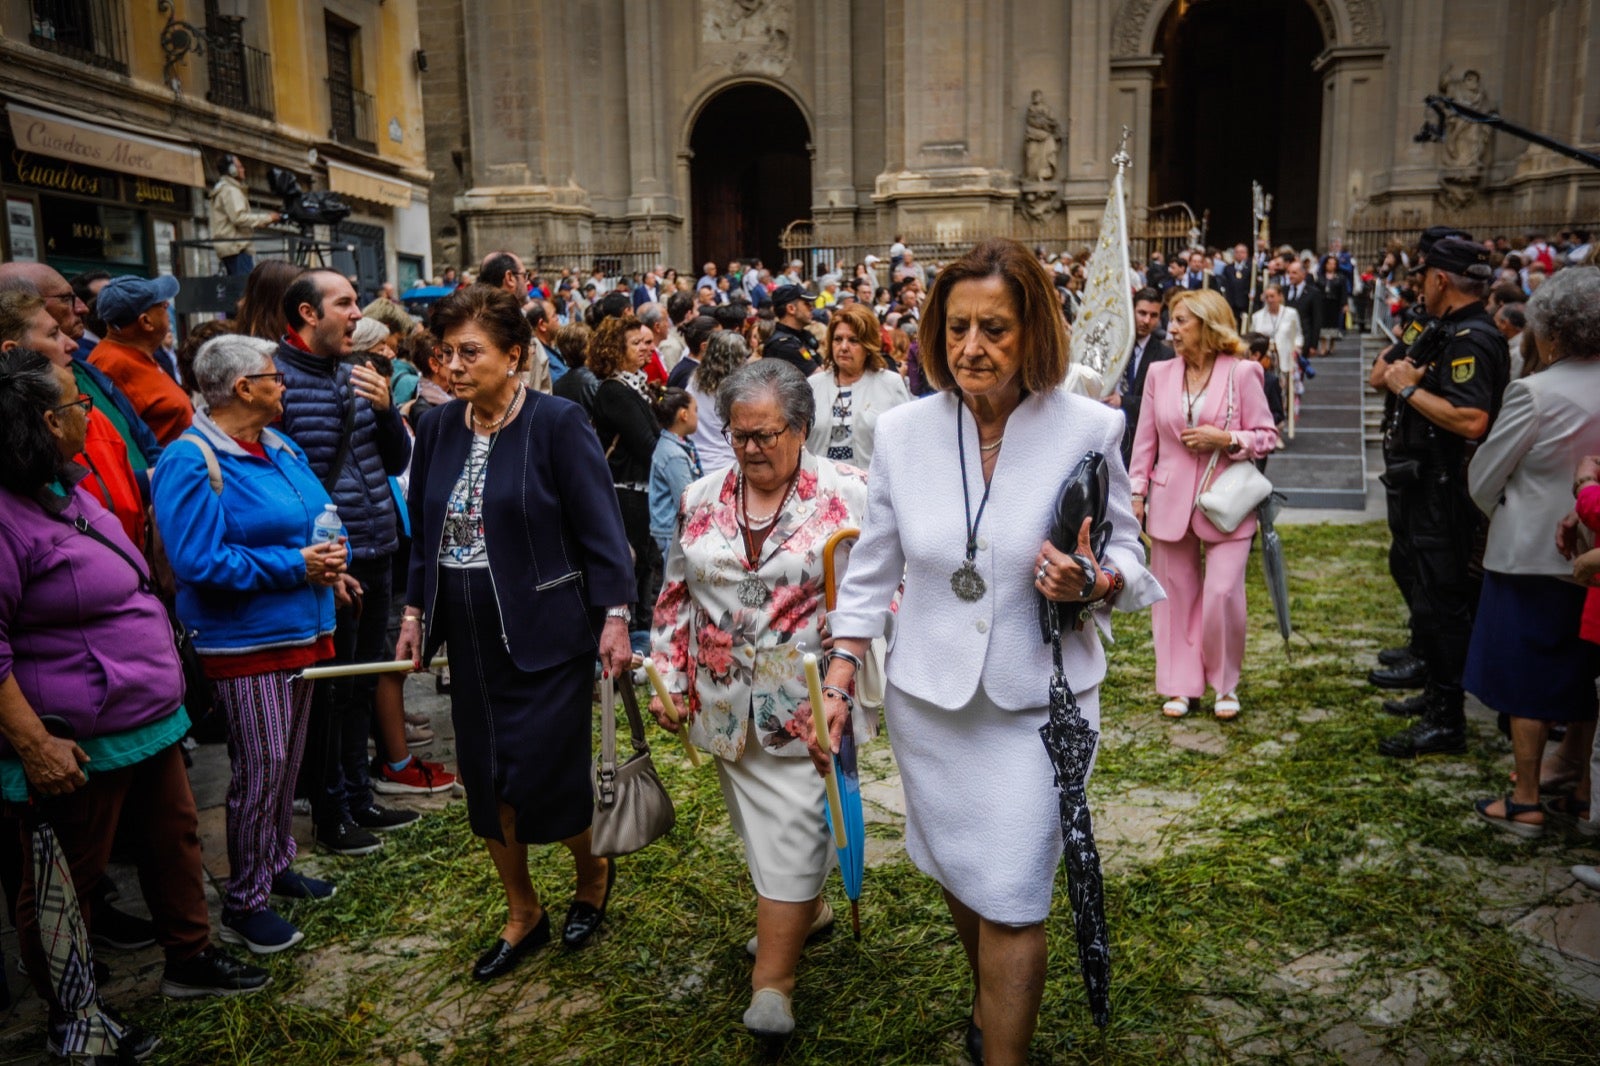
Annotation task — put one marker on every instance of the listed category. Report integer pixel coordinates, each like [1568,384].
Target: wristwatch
[1405,393]
[618,612]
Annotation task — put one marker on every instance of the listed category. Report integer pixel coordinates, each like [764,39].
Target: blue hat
[125,298]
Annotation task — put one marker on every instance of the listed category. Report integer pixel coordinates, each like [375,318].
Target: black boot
[1396,656]
[1412,673]
[1442,729]
[1410,707]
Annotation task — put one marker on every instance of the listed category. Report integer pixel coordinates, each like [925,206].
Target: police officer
[1448,387]
[791,341]
[1403,667]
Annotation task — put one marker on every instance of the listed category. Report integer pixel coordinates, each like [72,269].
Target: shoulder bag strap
[213,470]
[331,478]
[81,524]
[1227,419]
[630,704]
[606,771]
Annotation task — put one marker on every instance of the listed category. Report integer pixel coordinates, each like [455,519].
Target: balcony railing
[89,31]
[351,113]
[241,79]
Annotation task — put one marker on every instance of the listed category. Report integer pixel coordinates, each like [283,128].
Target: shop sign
[86,144]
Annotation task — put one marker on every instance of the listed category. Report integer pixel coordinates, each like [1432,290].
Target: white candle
[396,666]
[665,697]
[819,718]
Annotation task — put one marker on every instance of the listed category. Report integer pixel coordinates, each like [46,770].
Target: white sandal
[1176,707]
[1226,707]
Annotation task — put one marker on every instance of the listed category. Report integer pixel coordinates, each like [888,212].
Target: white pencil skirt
[982,817]
[775,805]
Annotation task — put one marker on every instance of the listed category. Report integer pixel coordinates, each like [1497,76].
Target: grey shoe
[819,925]
[770,1014]
[1588,876]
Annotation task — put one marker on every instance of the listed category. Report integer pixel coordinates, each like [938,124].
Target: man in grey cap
[1448,388]
[137,322]
[791,341]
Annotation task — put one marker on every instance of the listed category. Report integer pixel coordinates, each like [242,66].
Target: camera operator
[1448,390]
[1403,667]
[232,220]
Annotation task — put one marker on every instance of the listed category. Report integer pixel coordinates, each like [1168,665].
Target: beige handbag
[631,806]
[1238,490]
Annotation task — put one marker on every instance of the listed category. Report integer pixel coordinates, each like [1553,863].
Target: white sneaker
[770,1013]
[1589,876]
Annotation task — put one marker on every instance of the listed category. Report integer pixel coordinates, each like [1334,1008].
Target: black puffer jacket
[316,394]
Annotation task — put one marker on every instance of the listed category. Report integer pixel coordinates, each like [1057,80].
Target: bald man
[68,311]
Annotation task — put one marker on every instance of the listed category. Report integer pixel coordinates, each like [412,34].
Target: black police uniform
[797,347]
[1468,364]
[1401,672]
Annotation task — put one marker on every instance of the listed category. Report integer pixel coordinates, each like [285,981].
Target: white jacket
[874,392]
[232,220]
[1289,337]
[1521,475]
[942,647]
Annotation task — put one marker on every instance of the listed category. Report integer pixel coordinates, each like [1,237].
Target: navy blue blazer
[557,551]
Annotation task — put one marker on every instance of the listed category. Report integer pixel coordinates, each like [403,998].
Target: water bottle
[327,528]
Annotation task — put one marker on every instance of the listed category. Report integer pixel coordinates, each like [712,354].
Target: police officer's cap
[1457,256]
[1434,234]
[786,294]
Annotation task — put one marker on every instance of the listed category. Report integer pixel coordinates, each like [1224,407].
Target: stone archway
[1351,71]
[749,173]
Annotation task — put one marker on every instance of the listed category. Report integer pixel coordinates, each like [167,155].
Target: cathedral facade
[710,127]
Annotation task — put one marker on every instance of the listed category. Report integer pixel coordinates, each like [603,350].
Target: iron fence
[841,247]
[89,31]
[614,258]
[1371,233]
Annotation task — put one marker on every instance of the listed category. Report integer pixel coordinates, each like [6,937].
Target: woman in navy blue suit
[513,509]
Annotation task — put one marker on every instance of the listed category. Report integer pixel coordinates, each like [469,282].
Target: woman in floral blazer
[729,639]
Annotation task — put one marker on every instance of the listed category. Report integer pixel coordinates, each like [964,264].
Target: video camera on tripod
[306,209]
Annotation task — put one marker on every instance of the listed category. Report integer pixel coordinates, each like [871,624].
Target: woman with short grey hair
[1526,659]
[724,352]
[236,504]
[740,606]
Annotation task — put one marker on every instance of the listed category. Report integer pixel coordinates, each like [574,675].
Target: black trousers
[1402,567]
[636,523]
[341,709]
[1440,525]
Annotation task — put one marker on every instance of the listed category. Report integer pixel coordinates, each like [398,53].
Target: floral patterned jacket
[731,660]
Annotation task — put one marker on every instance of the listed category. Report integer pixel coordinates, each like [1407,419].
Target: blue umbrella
[846,773]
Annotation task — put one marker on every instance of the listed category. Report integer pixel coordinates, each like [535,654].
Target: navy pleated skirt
[522,738]
[1526,658]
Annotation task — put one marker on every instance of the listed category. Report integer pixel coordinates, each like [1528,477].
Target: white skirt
[775,805]
[982,816]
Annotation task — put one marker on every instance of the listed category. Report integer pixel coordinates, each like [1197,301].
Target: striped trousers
[267,717]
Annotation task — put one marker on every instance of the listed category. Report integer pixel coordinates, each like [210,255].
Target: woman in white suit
[1526,660]
[854,389]
[740,605]
[962,489]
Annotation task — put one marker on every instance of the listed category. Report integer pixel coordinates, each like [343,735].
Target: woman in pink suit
[1206,401]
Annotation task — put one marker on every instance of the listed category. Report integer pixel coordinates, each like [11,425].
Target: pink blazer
[1167,473]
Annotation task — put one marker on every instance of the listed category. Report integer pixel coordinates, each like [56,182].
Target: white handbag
[1235,492]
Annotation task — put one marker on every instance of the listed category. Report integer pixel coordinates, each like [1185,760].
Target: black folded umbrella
[1070,742]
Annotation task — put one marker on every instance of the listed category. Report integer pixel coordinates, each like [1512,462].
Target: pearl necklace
[490,427]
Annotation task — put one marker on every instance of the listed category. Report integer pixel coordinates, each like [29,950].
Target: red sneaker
[417,778]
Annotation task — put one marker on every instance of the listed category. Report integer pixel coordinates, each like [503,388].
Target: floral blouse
[735,660]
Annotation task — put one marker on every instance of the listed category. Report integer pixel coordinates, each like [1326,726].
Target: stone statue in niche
[754,34]
[1041,151]
[1043,138]
[1464,159]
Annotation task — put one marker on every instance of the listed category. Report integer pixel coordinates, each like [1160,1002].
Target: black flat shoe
[974,1043]
[1412,674]
[1410,707]
[503,957]
[583,919]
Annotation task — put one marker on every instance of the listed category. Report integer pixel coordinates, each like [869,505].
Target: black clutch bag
[1083,495]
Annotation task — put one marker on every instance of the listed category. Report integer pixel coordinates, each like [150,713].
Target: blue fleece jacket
[241,578]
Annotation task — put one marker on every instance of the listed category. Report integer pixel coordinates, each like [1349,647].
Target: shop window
[409,271]
[79,231]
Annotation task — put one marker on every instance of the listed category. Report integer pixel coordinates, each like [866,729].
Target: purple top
[76,631]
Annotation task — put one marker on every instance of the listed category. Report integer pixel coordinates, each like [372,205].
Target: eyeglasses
[69,295]
[469,353]
[276,376]
[739,439]
[84,400]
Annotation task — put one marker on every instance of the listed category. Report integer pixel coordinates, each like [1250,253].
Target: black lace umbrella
[1070,741]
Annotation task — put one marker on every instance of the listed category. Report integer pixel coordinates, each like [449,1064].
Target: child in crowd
[675,464]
